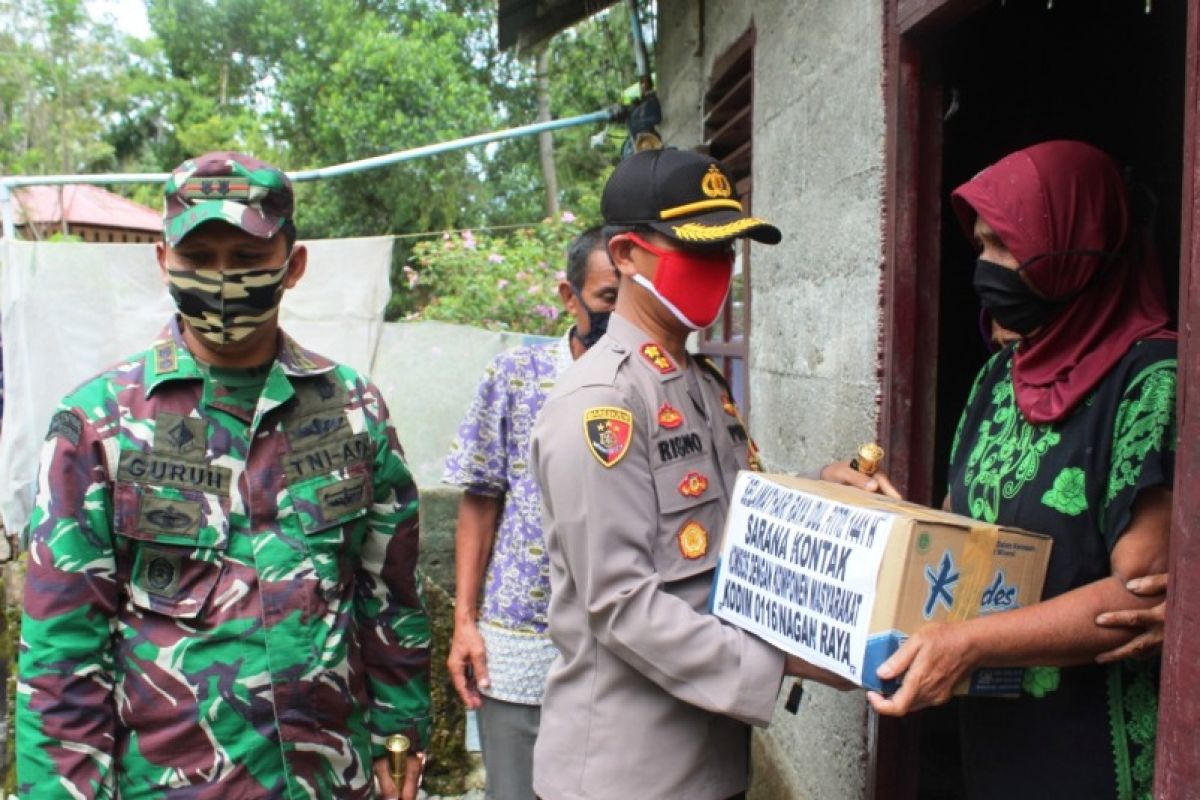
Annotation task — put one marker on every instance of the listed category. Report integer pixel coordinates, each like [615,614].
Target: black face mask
[597,323]
[1009,299]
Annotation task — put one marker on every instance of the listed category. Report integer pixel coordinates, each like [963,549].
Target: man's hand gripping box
[840,577]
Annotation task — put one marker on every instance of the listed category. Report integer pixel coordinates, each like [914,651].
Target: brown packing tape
[974,571]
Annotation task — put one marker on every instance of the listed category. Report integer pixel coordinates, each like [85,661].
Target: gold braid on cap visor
[696,232]
[701,205]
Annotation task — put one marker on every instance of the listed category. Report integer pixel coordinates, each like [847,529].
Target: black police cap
[683,195]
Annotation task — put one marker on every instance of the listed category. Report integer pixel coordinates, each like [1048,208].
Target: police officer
[636,452]
[221,599]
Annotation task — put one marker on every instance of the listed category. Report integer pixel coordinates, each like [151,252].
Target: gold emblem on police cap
[715,184]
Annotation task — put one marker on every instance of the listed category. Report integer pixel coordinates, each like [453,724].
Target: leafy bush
[502,281]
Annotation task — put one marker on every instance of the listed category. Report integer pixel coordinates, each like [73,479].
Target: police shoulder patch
[65,425]
[608,432]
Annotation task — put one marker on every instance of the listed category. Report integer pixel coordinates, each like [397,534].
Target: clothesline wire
[510,226]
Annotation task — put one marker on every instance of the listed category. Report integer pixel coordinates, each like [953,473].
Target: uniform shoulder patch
[608,432]
[656,357]
[65,425]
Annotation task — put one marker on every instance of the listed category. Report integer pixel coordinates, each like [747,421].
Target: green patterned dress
[1084,731]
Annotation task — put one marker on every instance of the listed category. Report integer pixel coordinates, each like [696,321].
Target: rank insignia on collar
[164,358]
[693,540]
[608,432]
[693,485]
[669,416]
[657,358]
[728,406]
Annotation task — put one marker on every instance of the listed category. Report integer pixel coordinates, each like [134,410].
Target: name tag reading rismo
[161,471]
[323,459]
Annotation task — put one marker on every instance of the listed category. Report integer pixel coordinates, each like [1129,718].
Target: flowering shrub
[506,281]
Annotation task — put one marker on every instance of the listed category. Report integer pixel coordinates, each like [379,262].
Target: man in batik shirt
[221,599]
[501,651]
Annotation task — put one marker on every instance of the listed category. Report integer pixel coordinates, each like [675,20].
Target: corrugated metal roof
[525,23]
[83,204]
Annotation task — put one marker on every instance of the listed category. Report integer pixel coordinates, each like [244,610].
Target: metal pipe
[606,115]
[639,48]
[609,114]
[56,180]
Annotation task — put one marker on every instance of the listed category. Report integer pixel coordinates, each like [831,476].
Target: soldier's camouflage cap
[686,196]
[229,187]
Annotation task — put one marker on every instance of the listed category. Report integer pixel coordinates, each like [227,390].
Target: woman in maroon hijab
[1069,432]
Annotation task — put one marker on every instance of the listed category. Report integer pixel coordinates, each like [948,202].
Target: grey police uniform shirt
[651,696]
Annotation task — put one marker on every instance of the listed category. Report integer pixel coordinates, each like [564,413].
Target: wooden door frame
[1177,760]
[909,347]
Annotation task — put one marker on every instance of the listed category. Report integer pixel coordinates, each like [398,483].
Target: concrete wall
[818,174]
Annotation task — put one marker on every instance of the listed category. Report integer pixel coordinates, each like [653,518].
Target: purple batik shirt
[490,456]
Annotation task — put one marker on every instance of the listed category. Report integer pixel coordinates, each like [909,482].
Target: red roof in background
[85,205]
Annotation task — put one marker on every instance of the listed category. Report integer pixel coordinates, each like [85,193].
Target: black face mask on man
[597,322]
[1009,299]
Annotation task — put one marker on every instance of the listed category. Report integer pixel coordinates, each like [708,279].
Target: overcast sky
[129,15]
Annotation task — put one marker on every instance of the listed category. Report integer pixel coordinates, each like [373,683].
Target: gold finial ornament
[397,749]
[868,460]
[715,184]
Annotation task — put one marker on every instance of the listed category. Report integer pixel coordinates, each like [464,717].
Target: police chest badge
[608,432]
[669,416]
[693,484]
[693,540]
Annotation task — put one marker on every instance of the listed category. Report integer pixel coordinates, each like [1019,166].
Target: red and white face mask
[692,287]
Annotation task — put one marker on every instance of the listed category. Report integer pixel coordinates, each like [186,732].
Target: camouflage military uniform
[221,601]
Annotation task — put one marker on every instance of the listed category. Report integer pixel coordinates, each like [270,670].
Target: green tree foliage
[56,87]
[311,84]
[502,282]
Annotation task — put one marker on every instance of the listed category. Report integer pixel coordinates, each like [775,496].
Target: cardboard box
[840,577]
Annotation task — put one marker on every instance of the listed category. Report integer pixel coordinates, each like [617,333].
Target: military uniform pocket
[331,511]
[169,545]
[331,500]
[689,522]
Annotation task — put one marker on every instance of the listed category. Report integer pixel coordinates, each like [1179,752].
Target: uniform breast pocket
[689,523]
[170,544]
[331,512]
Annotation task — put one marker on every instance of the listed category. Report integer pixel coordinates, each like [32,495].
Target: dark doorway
[1013,74]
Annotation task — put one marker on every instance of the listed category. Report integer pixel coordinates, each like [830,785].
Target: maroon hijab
[1061,209]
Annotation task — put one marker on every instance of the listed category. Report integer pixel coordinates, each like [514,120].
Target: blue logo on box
[999,596]
[941,585]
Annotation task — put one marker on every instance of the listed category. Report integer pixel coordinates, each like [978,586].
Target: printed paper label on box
[799,570]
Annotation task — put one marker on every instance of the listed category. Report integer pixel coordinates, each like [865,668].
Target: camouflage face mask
[226,306]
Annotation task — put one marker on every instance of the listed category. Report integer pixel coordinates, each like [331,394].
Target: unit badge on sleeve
[608,432]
